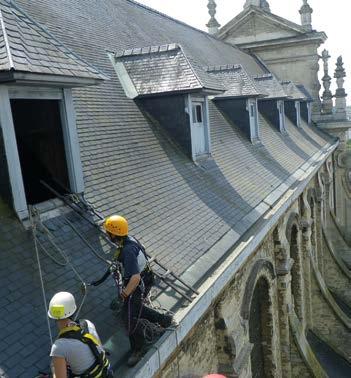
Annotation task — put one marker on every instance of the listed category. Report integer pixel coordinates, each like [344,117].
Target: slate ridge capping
[226,67]
[76,66]
[148,50]
[263,77]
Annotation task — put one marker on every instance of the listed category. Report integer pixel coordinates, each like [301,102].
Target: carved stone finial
[340,94]
[306,15]
[213,24]
[258,3]
[327,97]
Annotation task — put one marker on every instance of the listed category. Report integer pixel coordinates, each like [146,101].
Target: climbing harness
[80,332]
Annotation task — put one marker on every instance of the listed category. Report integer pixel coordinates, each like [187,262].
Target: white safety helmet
[62,306]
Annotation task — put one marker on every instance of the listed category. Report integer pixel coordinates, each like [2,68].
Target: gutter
[276,204]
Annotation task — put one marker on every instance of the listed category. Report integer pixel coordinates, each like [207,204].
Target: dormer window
[306,104]
[200,133]
[296,94]
[198,113]
[239,102]
[298,113]
[253,114]
[37,114]
[176,98]
[281,110]
[271,107]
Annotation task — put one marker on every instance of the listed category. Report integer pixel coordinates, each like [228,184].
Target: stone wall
[261,319]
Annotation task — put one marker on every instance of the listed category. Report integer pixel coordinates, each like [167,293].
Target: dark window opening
[296,274]
[40,145]
[261,331]
[252,107]
[197,113]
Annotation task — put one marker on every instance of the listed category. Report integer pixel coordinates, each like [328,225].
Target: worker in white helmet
[77,351]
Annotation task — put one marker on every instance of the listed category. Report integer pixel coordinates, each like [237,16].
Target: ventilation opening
[41,149]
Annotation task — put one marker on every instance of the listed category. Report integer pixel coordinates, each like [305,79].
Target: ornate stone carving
[258,3]
[306,15]
[327,97]
[213,24]
[340,94]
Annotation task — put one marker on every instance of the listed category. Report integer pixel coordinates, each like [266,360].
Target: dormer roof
[27,48]
[155,70]
[292,91]
[236,81]
[270,86]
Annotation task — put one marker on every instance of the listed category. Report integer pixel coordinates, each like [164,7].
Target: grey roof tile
[18,36]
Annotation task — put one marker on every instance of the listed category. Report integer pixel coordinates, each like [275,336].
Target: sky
[332,17]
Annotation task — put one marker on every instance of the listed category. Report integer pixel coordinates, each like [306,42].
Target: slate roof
[164,69]
[270,86]
[176,208]
[293,91]
[236,81]
[25,46]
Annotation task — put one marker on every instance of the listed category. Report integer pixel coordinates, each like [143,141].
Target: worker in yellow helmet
[77,352]
[137,282]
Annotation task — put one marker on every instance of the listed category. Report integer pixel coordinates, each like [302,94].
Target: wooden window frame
[70,136]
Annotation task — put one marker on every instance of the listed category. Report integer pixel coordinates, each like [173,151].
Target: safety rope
[151,331]
[50,256]
[30,209]
[64,256]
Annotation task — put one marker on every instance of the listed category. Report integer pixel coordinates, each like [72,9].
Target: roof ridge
[192,68]
[63,48]
[169,17]
[185,24]
[6,41]
[148,50]
[223,67]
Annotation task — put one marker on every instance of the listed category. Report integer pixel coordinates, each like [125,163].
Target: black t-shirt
[132,257]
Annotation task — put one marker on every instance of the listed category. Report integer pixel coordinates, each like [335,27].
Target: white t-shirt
[77,354]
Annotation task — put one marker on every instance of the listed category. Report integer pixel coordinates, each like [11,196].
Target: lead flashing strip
[124,78]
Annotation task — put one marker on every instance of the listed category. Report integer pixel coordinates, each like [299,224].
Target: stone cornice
[319,37]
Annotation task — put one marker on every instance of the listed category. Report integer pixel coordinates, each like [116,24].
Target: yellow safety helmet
[116,225]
